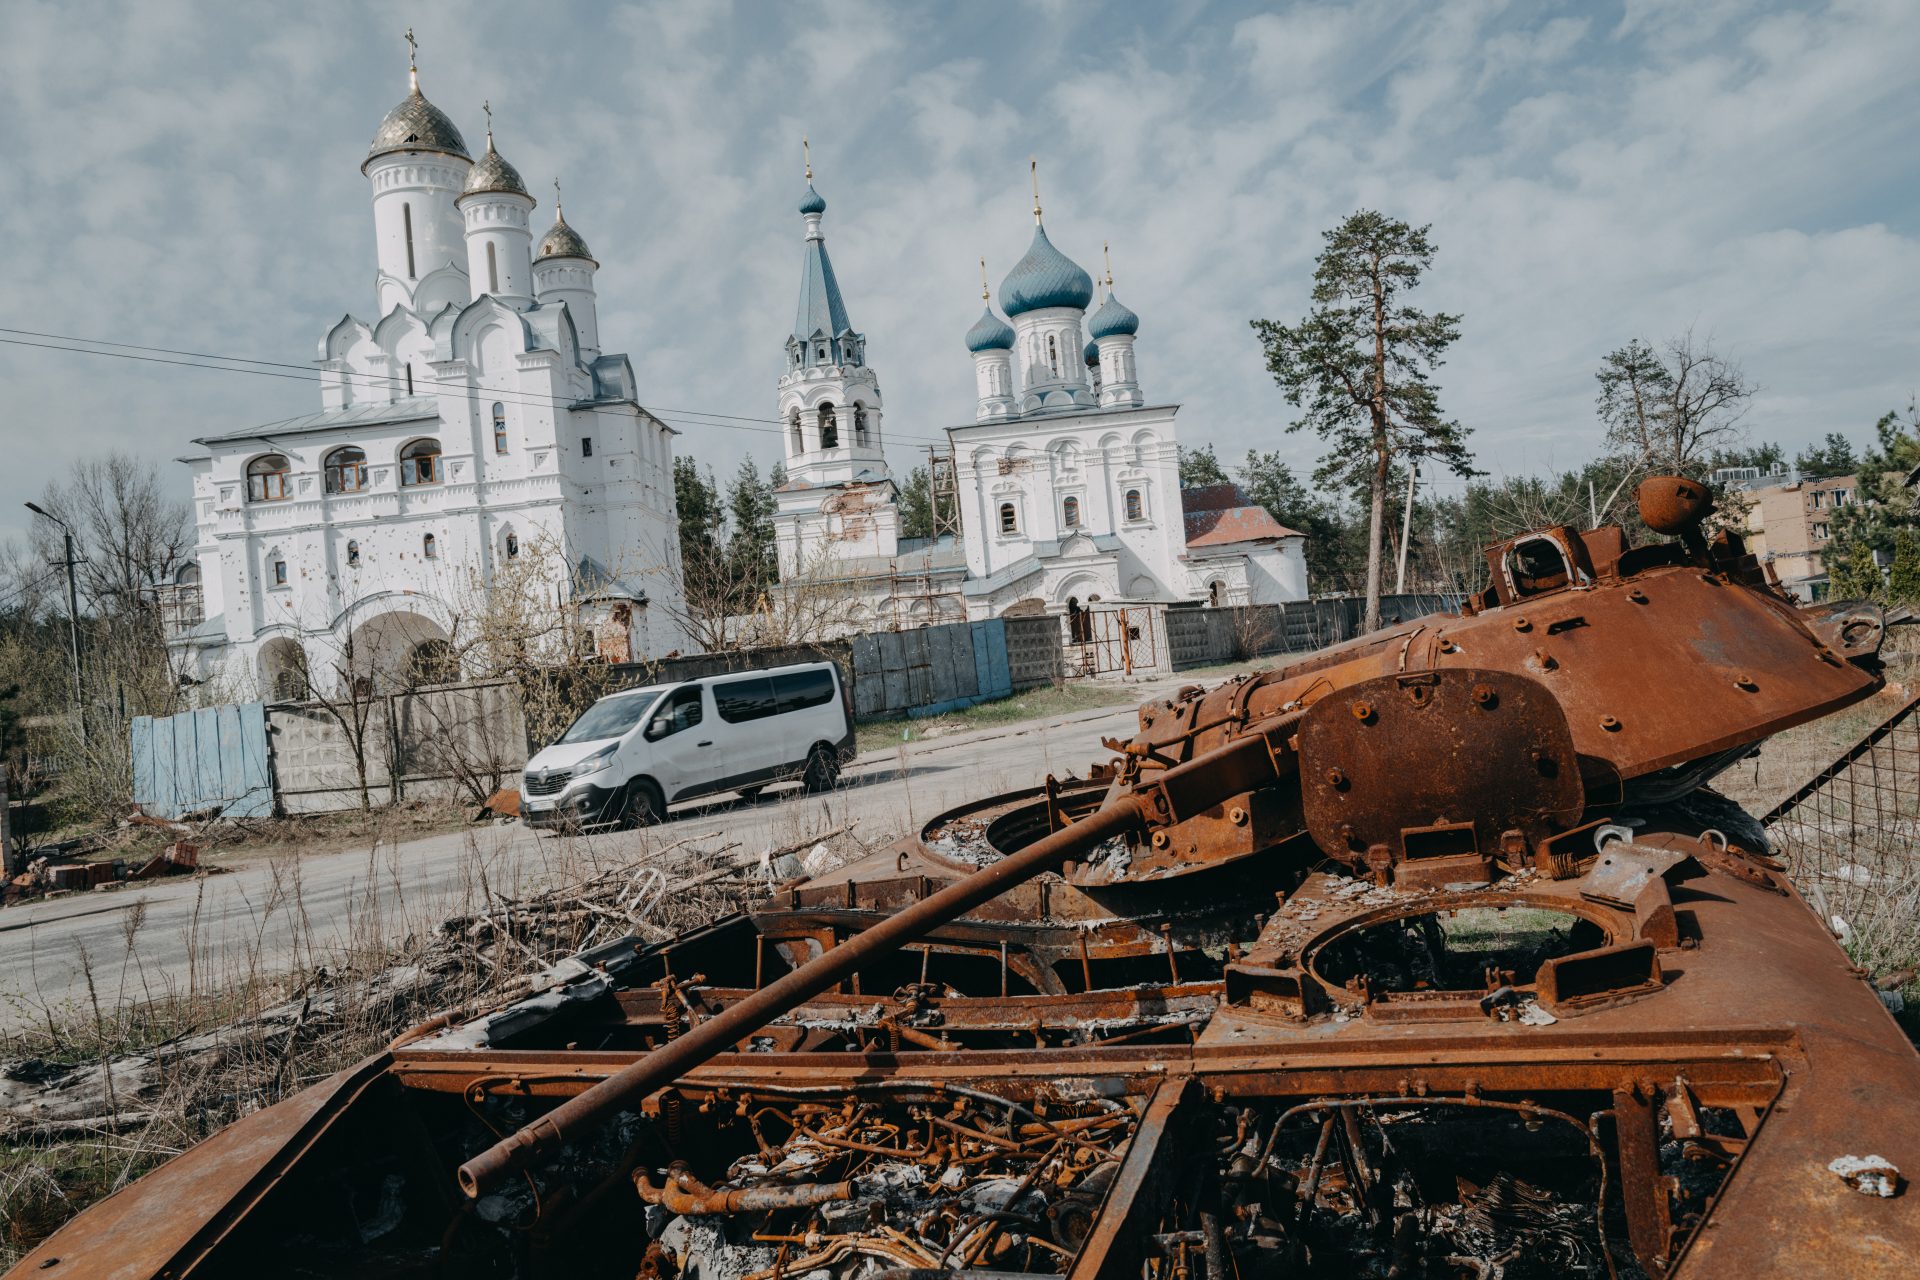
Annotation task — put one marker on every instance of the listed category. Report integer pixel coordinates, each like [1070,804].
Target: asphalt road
[276,913]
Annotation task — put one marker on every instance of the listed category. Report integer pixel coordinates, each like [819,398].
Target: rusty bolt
[1336,777]
[1484,695]
[1363,711]
[1544,660]
[1159,839]
[1610,724]
[1637,596]
[1237,816]
[1521,624]
[1746,682]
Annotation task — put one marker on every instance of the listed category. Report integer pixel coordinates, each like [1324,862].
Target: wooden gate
[1106,641]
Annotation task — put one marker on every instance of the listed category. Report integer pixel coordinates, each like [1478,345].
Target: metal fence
[215,758]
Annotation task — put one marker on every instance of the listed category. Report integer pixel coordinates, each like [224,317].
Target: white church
[1066,480]
[474,419]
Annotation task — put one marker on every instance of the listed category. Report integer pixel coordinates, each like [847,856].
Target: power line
[271,369]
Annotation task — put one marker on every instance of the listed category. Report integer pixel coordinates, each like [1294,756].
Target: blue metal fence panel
[213,758]
[990,658]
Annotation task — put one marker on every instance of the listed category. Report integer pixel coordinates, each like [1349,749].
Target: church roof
[822,310]
[417,125]
[990,333]
[410,409]
[493,174]
[1045,277]
[1219,515]
[1113,317]
[562,241]
[813,201]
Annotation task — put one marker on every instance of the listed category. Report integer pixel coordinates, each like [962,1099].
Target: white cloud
[186,175]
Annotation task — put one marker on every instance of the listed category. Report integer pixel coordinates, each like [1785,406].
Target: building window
[1053,355]
[267,478]
[1136,509]
[586,446]
[406,224]
[499,427]
[829,428]
[420,463]
[279,573]
[493,270]
[512,545]
[1842,497]
[429,547]
[860,424]
[1819,497]
[1820,531]
[353,555]
[1009,518]
[346,470]
[1070,513]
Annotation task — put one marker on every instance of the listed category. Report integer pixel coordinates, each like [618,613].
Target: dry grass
[148,1068]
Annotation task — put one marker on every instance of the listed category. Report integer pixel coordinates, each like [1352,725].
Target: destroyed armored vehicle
[1428,955]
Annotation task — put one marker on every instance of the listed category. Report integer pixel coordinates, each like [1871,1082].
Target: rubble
[1432,954]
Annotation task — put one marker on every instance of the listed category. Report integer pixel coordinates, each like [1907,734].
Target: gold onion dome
[493,173]
[562,241]
[417,125]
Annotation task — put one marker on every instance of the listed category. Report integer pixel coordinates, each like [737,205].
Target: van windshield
[611,717]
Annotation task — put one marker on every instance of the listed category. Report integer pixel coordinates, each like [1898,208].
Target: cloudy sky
[186,175]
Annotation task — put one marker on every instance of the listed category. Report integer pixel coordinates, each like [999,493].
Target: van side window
[801,689]
[683,708]
[741,700]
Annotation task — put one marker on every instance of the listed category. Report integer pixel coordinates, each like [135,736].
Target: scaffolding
[943,492]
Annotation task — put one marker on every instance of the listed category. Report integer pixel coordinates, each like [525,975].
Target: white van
[633,753]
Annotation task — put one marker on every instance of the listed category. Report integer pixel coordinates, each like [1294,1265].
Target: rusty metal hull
[1423,957]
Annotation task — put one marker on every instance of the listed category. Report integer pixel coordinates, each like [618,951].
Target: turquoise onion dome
[1045,277]
[813,201]
[1113,317]
[1092,353]
[990,333]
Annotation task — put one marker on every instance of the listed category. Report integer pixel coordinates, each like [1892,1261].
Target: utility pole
[1406,529]
[73,617]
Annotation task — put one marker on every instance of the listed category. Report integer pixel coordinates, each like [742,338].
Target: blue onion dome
[990,333]
[1046,277]
[562,241]
[813,201]
[1092,353]
[417,125]
[492,174]
[1113,317]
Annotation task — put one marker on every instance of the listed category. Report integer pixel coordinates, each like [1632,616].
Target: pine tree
[1358,365]
[1903,579]
[1199,467]
[916,505]
[750,507]
[697,498]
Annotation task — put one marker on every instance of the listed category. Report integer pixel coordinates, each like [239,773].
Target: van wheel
[822,771]
[645,807]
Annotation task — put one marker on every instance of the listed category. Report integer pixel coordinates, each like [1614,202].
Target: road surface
[273,914]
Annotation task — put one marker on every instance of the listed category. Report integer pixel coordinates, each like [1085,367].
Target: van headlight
[592,764]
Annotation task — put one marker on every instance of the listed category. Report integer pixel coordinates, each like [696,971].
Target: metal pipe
[695,1046]
[685,1194]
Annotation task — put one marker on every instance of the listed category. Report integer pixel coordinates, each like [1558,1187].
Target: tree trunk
[1376,530]
[1382,455]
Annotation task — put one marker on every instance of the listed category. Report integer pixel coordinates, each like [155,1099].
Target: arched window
[346,470]
[420,463]
[1009,518]
[499,427]
[1136,508]
[406,225]
[860,424]
[1053,355]
[267,478]
[353,555]
[511,544]
[1214,591]
[1070,513]
[799,441]
[430,547]
[493,270]
[189,575]
[829,428]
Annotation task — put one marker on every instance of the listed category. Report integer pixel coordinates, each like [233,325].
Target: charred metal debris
[1430,955]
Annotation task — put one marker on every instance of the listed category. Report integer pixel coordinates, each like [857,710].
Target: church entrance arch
[392,651]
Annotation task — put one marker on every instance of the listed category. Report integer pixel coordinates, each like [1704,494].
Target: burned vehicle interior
[1432,954]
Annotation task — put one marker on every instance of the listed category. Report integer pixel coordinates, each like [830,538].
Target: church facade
[474,420]
[1066,480]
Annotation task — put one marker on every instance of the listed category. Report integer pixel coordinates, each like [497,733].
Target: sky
[186,175]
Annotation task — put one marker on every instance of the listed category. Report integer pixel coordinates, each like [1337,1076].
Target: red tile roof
[1221,514]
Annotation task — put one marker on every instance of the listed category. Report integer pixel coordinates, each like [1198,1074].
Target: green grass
[1034,704]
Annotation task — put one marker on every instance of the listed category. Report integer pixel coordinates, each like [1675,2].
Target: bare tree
[1669,410]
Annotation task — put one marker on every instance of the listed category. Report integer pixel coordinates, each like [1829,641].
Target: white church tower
[838,500]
